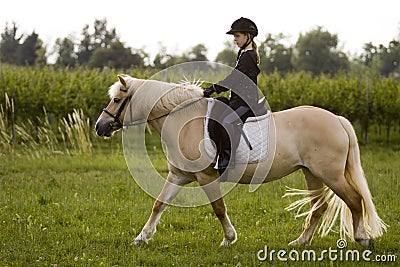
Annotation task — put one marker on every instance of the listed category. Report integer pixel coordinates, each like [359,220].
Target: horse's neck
[180,117]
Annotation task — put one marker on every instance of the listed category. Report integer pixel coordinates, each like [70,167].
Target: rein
[142,121]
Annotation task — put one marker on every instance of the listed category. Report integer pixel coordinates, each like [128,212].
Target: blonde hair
[255,48]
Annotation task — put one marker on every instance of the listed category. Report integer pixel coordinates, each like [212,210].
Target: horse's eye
[116,100]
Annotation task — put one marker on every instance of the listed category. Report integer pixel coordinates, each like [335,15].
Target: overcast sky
[179,25]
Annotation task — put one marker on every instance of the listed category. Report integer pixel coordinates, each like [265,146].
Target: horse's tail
[354,174]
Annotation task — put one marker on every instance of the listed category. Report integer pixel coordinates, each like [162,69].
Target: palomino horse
[324,146]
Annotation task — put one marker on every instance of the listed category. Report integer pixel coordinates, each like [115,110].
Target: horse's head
[153,99]
[112,117]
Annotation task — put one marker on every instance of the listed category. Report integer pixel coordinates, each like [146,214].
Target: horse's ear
[122,80]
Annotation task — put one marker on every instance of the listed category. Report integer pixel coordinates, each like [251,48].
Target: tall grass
[38,138]
[75,132]
[6,135]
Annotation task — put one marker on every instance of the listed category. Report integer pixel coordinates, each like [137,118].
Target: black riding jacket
[244,90]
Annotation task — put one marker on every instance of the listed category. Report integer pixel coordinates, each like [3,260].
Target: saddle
[253,145]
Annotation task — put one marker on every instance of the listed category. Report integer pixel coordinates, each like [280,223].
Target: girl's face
[240,38]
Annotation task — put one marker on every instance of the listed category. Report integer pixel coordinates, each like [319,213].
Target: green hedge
[60,91]
[366,100]
[362,98]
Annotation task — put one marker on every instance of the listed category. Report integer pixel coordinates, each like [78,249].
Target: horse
[323,145]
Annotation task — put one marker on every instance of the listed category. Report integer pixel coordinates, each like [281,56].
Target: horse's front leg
[172,187]
[212,188]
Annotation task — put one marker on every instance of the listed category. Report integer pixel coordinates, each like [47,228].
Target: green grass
[86,211]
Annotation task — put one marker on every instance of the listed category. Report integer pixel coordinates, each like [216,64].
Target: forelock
[133,84]
[114,89]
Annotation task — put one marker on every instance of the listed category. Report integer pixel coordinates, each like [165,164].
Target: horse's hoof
[139,240]
[298,242]
[226,242]
[294,243]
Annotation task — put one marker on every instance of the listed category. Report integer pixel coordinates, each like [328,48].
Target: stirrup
[223,164]
[227,161]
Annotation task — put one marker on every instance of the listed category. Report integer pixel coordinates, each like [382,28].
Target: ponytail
[250,40]
[255,48]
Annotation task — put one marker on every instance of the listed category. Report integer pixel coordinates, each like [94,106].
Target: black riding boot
[234,145]
[227,158]
[224,159]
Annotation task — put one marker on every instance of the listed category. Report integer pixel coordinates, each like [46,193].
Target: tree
[274,55]
[26,52]
[370,51]
[65,51]
[228,55]
[16,50]
[382,59]
[41,50]
[198,53]
[85,48]
[102,37]
[316,51]
[163,59]
[97,49]
[116,56]
[140,58]
[390,58]
[9,44]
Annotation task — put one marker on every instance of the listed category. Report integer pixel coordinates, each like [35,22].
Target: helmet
[243,25]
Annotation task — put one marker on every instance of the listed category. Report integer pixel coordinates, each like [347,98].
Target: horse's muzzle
[105,127]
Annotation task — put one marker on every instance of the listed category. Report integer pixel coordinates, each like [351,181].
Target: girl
[244,94]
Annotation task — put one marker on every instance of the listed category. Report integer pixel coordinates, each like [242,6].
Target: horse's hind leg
[353,200]
[313,183]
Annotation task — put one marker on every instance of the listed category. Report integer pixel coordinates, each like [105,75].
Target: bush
[364,99]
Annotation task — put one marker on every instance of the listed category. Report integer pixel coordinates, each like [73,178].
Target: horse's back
[300,110]
[308,134]
[307,118]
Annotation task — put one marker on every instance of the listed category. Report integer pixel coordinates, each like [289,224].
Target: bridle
[117,121]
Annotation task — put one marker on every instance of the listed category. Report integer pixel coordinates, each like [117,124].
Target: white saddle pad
[256,130]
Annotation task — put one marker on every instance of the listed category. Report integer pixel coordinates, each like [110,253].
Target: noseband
[117,121]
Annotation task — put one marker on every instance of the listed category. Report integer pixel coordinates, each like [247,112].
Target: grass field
[86,211]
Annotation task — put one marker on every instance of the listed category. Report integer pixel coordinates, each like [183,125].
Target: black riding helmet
[244,25]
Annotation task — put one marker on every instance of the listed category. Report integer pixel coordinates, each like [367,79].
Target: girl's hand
[208,91]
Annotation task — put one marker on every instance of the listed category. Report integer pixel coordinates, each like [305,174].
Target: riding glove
[208,91]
